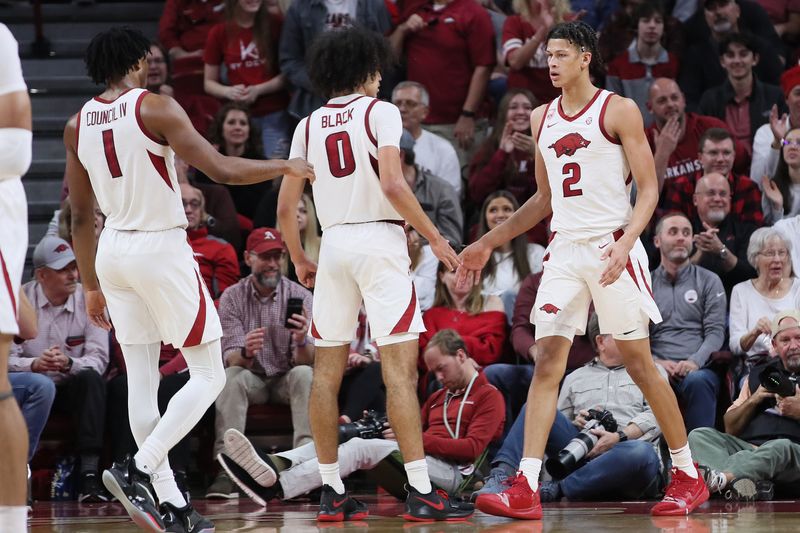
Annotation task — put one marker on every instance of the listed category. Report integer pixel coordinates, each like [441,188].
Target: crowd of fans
[718,83]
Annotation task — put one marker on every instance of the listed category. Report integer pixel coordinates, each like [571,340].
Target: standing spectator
[423,268]
[158,71]
[742,101]
[449,48]
[71,351]
[309,234]
[692,301]
[781,195]
[267,358]
[432,152]
[632,73]
[247,44]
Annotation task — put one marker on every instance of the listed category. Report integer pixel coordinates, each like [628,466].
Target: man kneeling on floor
[475,415]
[761,443]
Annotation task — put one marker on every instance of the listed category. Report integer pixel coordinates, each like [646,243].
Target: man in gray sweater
[692,302]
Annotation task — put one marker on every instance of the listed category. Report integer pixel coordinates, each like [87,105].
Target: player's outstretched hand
[96,309]
[473,259]
[300,168]
[306,271]
[616,254]
[445,253]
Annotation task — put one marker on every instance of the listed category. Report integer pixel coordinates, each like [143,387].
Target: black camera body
[778,381]
[369,427]
[574,452]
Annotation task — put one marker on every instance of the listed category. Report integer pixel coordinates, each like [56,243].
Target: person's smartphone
[293,307]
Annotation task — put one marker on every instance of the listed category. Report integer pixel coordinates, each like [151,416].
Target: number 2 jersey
[341,139]
[587,169]
[132,171]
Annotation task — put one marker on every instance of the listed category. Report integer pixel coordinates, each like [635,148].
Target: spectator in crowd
[437,198]
[785,18]
[742,101]
[693,303]
[524,43]
[71,351]
[761,442]
[432,152]
[700,66]
[423,268]
[216,258]
[720,239]
[505,159]
[632,72]
[789,229]
[455,434]
[781,192]
[247,44]
[478,319]
[158,71]
[305,19]
[717,155]
[622,28]
[309,234]
[267,357]
[63,224]
[767,141]
[753,302]
[509,264]
[362,387]
[454,65]
[622,465]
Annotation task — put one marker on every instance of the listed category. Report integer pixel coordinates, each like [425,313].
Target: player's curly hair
[113,53]
[582,36]
[340,61]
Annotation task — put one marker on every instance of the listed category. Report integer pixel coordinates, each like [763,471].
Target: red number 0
[572,173]
[340,154]
[111,153]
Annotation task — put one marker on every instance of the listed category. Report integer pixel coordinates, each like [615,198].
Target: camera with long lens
[573,453]
[369,427]
[778,381]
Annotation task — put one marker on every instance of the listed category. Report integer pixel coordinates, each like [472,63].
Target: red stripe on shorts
[9,287]
[405,321]
[629,268]
[196,333]
[644,279]
[314,332]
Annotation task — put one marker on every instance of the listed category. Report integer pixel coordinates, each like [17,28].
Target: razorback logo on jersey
[61,248]
[550,309]
[569,144]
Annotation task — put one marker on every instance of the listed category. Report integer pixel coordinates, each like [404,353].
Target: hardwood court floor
[244,516]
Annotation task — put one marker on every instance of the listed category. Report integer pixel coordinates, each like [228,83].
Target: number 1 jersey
[341,139]
[132,171]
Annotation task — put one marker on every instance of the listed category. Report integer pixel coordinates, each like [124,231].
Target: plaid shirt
[242,309]
[745,201]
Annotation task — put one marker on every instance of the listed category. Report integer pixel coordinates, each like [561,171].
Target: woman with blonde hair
[309,234]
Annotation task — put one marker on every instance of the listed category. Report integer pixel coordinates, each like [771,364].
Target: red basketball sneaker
[517,501]
[684,494]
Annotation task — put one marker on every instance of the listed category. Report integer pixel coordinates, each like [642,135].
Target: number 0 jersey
[341,139]
[132,171]
[587,169]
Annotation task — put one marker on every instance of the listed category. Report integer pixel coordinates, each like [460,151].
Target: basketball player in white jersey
[15,158]
[362,201]
[590,145]
[120,150]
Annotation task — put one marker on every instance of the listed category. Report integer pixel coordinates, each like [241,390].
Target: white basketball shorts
[13,245]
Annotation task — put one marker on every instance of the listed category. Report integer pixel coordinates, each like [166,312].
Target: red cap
[263,240]
[789,79]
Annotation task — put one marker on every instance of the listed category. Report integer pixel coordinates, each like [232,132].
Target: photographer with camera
[761,443]
[604,440]
[458,422]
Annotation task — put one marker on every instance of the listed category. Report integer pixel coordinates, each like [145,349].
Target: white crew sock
[530,468]
[682,460]
[330,476]
[166,489]
[13,519]
[417,472]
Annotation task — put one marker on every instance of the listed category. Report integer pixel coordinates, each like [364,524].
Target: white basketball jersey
[341,139]
[132,171]
[587,169]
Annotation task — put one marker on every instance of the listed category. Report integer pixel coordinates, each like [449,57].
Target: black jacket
[763,97]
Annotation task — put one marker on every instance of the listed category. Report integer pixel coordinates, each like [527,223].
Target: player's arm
[166,118]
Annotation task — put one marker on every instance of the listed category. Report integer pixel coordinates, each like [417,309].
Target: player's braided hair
[113,53]
[580,35]
[340,61]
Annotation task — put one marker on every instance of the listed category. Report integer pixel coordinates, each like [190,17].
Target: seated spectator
[309,234]
[455,432]
[436,197]
[247,45]
[509,264]
[720,239]
[71,351]
[767,141]
[742,101]
[478,319]
[716,155]
[505,159]
[216,258]
[267,357]
[158,71]
[63,221]
[432,152]
[761,442]
[621,30]
[754,301]
[785,18]
[362,387]
[423,268]
[632,72]
[781,196]
[622,465]
[692,301]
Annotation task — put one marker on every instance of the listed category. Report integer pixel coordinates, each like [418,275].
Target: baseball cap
[777,327]
[407,141]
[263,240]
[52,252]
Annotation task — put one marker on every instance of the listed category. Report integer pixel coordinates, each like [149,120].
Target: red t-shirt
[234,46]
[443,55]
[535,76]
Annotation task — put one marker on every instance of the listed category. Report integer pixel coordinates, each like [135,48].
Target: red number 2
[111,153]
[572,173]
[340,154]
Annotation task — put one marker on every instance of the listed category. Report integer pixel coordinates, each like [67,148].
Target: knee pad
[15,152]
